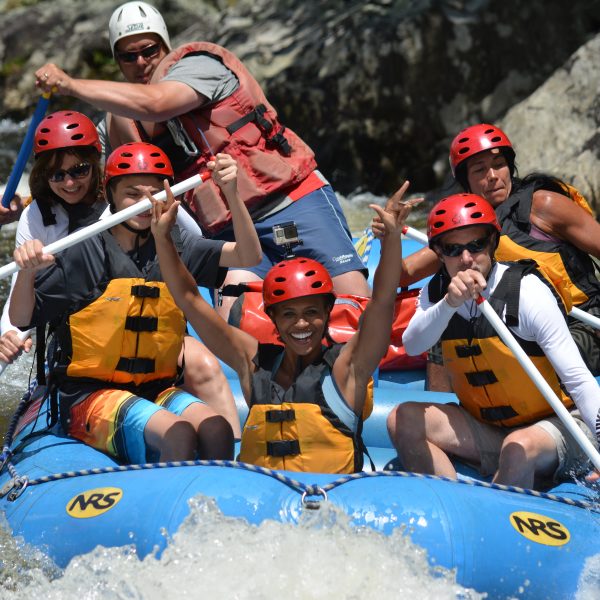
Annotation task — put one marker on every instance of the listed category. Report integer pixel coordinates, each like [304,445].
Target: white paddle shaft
[541,384]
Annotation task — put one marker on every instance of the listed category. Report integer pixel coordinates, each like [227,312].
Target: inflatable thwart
[66,498]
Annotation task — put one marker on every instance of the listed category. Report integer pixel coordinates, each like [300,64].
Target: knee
[518,447]
[202,365]
[178,442]
[215,439]
[403,420]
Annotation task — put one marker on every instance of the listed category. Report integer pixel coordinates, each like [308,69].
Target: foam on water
[213,556]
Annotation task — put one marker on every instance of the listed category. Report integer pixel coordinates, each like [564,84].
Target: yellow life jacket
[559,258]
[488,380]
[301,428]
[131,334]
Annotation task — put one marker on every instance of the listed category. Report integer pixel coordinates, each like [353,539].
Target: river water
[213,556]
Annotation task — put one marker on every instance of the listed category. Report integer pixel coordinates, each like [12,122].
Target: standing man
[503,426]
[199,100]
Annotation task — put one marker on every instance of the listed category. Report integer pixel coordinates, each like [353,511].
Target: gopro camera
[286,235]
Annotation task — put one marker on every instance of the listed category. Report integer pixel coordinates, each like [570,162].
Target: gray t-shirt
[206,74]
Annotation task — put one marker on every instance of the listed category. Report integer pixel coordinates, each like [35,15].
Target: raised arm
[246,250]
[362,354]
[233,346]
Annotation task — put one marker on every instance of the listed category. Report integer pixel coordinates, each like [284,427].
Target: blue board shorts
[322,227]
[113,421]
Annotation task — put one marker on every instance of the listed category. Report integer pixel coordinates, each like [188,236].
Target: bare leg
[214,438]
[232,278]
[426,434]
[527,454]
[352,282]
[172,436]
[204,378]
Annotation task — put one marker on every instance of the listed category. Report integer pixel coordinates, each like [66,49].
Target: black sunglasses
[76,172]
[473,247]
[147,52]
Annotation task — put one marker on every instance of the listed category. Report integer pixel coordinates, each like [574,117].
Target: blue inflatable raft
[66,499]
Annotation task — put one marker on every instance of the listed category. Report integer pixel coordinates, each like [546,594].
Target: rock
[377,88]
[557,129]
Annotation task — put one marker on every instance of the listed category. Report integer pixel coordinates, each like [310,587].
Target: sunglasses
[147,52]
[76,172]
[473,247]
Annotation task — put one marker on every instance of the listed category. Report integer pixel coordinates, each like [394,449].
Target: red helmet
[457,211]
[64,129]
[295,278]
[478,138]
[137,158]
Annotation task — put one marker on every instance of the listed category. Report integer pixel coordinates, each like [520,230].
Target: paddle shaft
[91,230]
[22,335]
[576,313]
[542,385]
[25,151]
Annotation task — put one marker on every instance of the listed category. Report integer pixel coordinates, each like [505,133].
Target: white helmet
[136,17]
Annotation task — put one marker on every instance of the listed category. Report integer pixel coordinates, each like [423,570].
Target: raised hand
[164,214]
[224,171]
[393,217]
[30,256]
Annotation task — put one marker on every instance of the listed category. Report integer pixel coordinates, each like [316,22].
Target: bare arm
[30,259]
[559,216]
[246,250]
[419,265]
[361,355]
[154,102]
[235,347]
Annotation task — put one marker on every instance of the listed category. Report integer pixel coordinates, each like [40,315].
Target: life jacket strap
[135,365]
[481,378]
[498,413]
[465,350]
[280,416]
[145,291]
[140,324]
[281,448]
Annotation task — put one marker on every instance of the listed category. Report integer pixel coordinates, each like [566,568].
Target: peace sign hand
[391,220]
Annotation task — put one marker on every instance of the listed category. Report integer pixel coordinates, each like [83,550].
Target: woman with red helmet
[66,187]
[119,333]
[503,425]
[306,398]
[541,218]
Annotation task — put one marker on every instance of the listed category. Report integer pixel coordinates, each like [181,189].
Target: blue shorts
[113,421]
[322,227]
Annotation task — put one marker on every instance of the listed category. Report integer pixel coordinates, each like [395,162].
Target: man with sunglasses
[503,426]
[199,100]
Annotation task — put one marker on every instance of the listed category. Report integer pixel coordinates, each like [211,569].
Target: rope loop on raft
[306,490]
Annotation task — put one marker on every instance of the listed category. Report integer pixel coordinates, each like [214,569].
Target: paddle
[25,151]
[576,313]
[91,230]
[541,384]
[22,335]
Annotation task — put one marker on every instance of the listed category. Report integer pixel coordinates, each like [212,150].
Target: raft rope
[17,485]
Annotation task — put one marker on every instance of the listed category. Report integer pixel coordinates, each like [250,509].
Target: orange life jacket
[273,161]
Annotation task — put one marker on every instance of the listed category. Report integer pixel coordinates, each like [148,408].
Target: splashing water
[213,556]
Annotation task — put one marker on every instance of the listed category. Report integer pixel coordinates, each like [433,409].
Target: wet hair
[48,162]
[461,169]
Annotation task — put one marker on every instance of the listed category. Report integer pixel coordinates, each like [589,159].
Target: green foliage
[12,4]
[12,67]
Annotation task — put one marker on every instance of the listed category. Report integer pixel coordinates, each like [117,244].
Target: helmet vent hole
[43,143]
[496,139]
[469,204]
[77,136]
[488,131]
[278,292]
[464,150]
[310,273]
[441,211]
[160,165]
[124,165]
[45,130]
[126,154]
[316,285]
[72,125]
[438,224]
[279,279]
[463,140]
[476,215]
